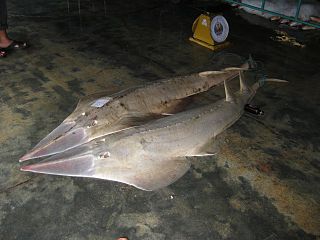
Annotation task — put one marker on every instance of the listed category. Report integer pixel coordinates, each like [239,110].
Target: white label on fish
[101,102]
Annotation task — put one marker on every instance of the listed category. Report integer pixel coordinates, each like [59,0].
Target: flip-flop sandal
[17,45]
[3,52]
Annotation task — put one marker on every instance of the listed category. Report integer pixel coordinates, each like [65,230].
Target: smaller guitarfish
[99,115]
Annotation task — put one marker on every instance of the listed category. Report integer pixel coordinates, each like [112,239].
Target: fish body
[153,155]
[99,115]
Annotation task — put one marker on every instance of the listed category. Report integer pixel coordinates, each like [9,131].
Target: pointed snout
[61,144]
[81,166]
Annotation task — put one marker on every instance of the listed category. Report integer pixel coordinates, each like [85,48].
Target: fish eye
[104,155]
[95,122]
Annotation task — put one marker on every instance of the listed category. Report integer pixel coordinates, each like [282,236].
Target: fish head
[67,135]
[96,158]
[103,160]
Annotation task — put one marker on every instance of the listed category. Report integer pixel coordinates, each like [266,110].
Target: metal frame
[295,19]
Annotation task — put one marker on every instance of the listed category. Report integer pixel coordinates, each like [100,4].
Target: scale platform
[210,32]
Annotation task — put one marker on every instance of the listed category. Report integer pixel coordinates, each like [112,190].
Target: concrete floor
[264,182]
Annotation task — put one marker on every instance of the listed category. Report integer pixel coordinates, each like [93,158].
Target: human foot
[5,44]
[5,41]
[12,46]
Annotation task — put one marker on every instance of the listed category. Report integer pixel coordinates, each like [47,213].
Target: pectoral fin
[158,174]
[150,175]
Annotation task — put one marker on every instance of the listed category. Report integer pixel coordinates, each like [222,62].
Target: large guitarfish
[98,115]
[153,155]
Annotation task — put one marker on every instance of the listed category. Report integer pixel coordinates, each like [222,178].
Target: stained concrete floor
[264,181]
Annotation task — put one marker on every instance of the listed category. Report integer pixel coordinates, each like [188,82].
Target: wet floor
[262,184]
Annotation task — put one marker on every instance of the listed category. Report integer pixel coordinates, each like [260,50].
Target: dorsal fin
[243,85]
[229,97]
[210,73]
[235,69]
